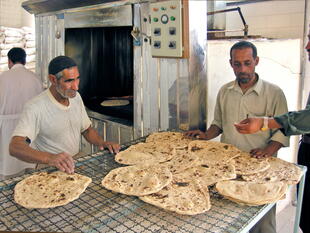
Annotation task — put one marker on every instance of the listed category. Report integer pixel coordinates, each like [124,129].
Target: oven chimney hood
[44,6]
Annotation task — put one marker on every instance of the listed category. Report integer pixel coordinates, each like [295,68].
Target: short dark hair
[244,44]
[60,63]
[17,55]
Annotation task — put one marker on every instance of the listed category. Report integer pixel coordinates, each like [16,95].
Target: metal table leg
[299,199]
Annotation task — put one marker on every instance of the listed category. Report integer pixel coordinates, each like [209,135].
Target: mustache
[243,74]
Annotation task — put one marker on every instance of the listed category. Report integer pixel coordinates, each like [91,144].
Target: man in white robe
[17,86]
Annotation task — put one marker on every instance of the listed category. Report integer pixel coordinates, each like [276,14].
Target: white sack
[30,58]
[30,44]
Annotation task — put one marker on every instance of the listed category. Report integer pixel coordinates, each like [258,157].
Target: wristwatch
[265,124]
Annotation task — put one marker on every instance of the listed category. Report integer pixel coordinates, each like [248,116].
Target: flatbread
[245,164]
[174,139]
[206,175]
[252,193]
[47,190]
[213,153]
[182,198]
[114,103]
[145,153]
[137,180]
[181,161]
[279,170]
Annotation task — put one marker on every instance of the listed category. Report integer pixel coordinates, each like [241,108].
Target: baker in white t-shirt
[50,127]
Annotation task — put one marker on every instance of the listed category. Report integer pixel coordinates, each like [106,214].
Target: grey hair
[59,75]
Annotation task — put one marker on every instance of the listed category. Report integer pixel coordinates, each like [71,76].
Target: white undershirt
[51,126]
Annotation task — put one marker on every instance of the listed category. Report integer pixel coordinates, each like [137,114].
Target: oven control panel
[166,26]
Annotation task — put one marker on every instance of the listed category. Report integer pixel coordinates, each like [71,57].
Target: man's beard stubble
[65,94]
[246,78]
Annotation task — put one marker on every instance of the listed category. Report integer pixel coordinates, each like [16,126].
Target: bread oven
[100,42]
[150,53]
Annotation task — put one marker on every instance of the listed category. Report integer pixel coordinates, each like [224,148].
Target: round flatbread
[213,153]
[47,190]
[182,198]
[174,139]
[206,175]
[137,180]
[252,193]
[114,103]
[245,164]
[279,170]
[145,153]
[181,161]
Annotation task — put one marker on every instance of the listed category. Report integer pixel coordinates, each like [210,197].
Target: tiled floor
[285,219]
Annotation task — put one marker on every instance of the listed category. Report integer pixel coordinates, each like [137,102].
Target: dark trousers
[304,159]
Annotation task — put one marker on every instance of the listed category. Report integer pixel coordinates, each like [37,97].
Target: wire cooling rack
[101,210]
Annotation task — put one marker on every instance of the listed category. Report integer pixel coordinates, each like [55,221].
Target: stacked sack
[9,38]
[17,37]
[30,48]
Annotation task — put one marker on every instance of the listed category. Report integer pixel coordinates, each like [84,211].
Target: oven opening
[105,60]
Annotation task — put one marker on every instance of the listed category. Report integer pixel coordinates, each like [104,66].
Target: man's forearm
[20,149]
[273,124]
[213,132]
[93,137]
[273,147]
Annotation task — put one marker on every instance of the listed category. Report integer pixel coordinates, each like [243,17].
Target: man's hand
[261,153]
[249,125]
[268,151]
[111,146]
[195,134]
[63,161]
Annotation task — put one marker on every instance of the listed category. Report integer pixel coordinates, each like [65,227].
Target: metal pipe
[246,27]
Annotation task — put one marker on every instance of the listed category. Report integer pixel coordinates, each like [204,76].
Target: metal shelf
[101,210]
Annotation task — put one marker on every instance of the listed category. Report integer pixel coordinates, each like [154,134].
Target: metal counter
[101,210]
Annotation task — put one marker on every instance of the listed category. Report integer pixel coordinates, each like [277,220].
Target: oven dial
[164,19]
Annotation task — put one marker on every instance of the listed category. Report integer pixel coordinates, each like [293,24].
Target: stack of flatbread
[173,139]
[183,198]
[47,190]
[206,176]
[181,160]
[213,153]
[247,165]
[145,153]
[137,180]
[175,173]
[279,170]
